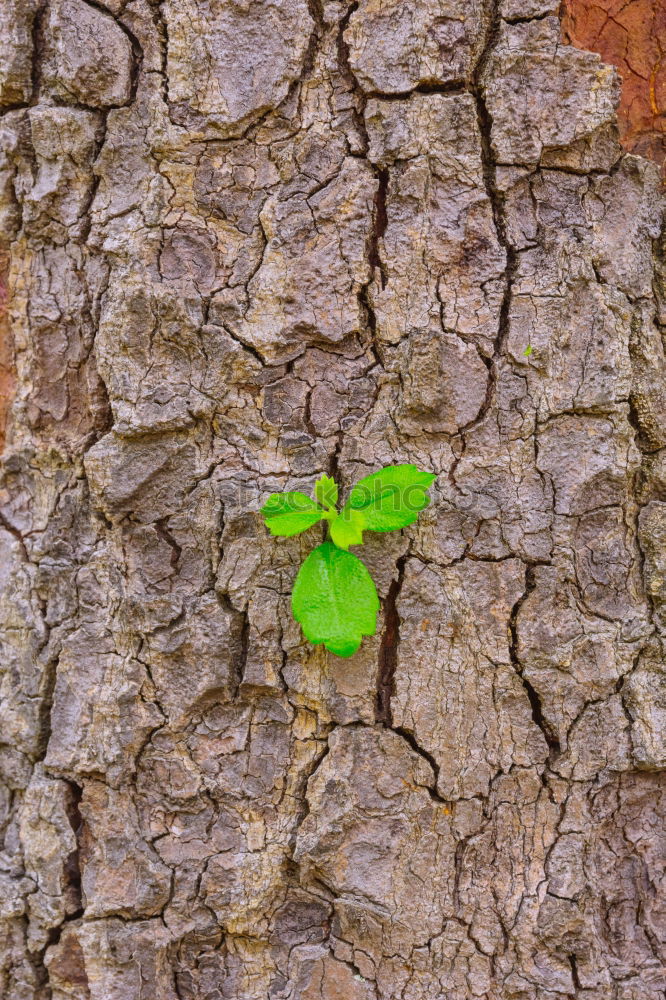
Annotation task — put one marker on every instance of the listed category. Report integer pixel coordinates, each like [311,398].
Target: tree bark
[630,34]
[245,243]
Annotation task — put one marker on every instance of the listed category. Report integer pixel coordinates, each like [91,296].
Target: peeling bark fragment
[631,37]
[395,47]
[227,64]
[546,99]
[88,56]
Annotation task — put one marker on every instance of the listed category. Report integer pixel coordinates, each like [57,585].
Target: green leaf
[527,351]
[326,492]
[391,498]
[347,528]
[335,600]
[288,514]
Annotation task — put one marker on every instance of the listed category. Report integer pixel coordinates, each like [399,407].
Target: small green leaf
[347,528]
[288,514]
[335,600]
[391,498]
[527,351]
[326,492]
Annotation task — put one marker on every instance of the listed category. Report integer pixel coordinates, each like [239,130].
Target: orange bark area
[630,34]
[7,376]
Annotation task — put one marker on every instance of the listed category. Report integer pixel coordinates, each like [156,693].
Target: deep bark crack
[73,860]
[387,656]
[379,219]
[498,208]
[533,696]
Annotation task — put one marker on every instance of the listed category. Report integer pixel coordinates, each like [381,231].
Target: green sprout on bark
[334,597]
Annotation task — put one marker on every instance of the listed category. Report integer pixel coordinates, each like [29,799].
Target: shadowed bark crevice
[73,862]
[387,656]
[534,698]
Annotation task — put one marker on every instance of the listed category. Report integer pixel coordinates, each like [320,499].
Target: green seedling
[334,597]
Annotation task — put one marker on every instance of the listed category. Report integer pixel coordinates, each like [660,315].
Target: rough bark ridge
[247,242]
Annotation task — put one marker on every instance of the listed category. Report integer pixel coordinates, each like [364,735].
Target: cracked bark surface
[245,243]
[631,36]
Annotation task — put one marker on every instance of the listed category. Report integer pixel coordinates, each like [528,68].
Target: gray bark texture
[245,242]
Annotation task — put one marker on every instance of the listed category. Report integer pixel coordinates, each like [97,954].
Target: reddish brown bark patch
[7,375]
[630,34]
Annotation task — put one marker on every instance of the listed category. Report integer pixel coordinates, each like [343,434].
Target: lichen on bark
[244,244]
